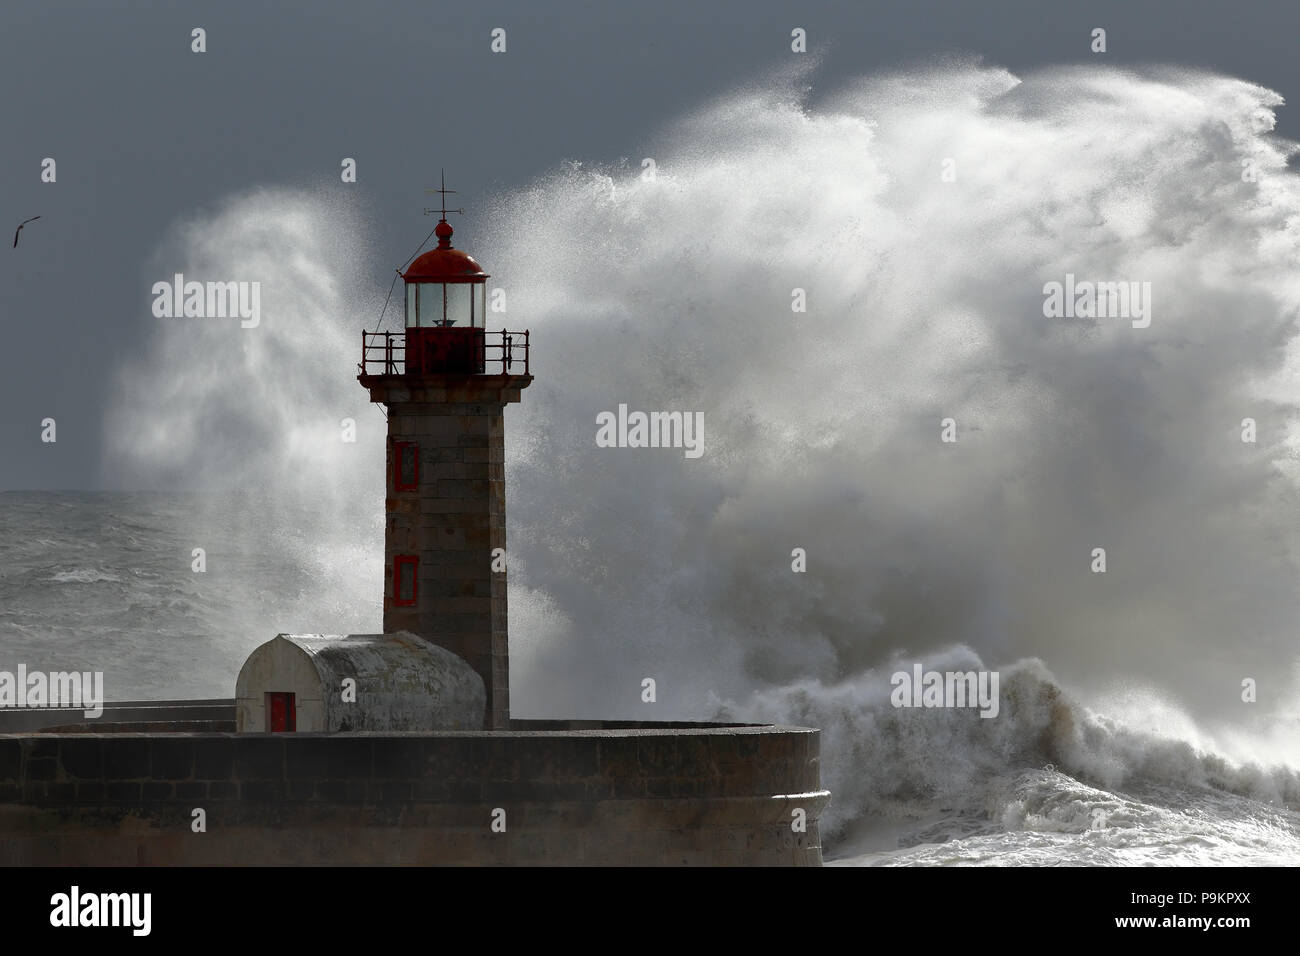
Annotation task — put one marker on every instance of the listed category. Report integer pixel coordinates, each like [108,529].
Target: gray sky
[145,132]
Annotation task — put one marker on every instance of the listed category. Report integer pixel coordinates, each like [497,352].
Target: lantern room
[445,288]
[446,308]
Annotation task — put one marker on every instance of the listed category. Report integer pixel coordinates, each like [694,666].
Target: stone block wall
[454,519]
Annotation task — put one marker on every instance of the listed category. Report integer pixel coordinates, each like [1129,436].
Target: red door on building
[280,712]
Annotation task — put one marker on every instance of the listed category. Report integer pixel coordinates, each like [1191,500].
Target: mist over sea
[1122,736]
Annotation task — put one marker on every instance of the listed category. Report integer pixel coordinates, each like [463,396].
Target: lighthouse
[445,380]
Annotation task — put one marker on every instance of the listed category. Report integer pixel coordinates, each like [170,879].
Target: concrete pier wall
[611,793]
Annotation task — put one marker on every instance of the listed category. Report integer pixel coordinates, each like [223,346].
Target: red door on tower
[280,715]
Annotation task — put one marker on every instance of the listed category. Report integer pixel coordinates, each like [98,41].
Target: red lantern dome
[445,288]
[444,264]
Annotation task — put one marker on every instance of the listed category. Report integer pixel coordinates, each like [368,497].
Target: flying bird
[20,228]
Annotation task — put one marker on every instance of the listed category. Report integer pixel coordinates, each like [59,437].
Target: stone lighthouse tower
[446,381]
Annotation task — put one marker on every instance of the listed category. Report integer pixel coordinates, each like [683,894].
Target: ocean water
[1124,734]
[106,582]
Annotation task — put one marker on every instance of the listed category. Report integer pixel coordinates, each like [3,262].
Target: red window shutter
[406,569]
[406,466]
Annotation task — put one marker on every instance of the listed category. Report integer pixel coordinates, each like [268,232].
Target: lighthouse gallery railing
[384,353]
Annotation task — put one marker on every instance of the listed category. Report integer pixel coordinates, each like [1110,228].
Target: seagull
[20,228]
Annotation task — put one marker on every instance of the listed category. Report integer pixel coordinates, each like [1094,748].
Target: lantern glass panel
[458,304]
[430,309]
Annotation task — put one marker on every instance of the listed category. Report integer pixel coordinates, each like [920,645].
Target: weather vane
[444,191]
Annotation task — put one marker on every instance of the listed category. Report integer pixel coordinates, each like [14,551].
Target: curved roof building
[359,682]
